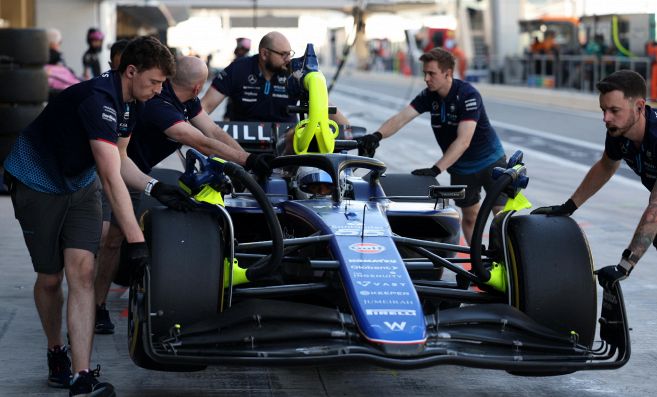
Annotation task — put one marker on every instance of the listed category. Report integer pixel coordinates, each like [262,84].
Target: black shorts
[54,222]
[108,216]
[475,182]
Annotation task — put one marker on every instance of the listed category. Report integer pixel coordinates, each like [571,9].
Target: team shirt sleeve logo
[471,104]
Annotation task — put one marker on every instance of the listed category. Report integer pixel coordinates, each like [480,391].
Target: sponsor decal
[395,326]
[358,232]
[367,260]
[275,95]
[387,302]
[384,293]
[379,284]
[110,110]
[249,99]
[282,79]
[452,107]
[391,275]
[370,267]
[108,117]
[435,106]
[390,312]
[367,248]
[471,104]
[252,79]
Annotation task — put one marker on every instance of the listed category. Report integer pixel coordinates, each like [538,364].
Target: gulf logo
[367,248]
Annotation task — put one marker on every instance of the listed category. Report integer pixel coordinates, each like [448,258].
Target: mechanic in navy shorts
[631,136]
[259,86]
[171,119]
[55,170]
[470,146]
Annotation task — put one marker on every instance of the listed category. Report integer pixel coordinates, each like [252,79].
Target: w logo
[395,326]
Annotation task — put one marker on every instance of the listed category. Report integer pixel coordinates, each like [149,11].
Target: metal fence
[575,72]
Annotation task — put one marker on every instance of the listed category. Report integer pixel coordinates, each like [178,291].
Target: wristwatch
[149,186]
[628,260]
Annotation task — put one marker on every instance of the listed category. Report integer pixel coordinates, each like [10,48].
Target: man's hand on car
[138,259]
[565,209]
[172,197]
[367,144]
[433,171]
[608,276]
[260,164]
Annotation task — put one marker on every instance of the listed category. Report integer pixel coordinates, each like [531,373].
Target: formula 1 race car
[332,260]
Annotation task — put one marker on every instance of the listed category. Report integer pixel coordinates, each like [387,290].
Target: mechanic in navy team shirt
[55,170]
[259,85]
[631,136]
[470,146]
[171,119]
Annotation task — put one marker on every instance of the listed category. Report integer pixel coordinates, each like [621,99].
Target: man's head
[275,52]
[145,64]
[243,47]
[191,74]
[622,100]
[95,38]
[115,53]
[438,66]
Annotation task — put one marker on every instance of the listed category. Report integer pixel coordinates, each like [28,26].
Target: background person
[470,146]
[54,171]
[90,61]
[241,50]
[632,137]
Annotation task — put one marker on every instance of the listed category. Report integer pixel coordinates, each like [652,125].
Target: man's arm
[131,174]
[646,230]
[597,176]
[339,118]
[212,99]
[108,165]
[205,136]
[464,134]
[396,122]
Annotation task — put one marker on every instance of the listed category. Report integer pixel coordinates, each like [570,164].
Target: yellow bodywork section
[317,124]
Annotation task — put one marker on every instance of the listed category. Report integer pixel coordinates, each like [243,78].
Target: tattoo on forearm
[645,231]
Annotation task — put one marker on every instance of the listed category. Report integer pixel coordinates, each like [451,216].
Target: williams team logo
[367,248]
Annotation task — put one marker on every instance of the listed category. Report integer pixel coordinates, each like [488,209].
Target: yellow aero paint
[239,274]
[517,203]
[210,196]
[317,124]
[497,277]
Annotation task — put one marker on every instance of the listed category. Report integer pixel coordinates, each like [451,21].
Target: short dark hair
[629,82]
[118,47]
[444,58]
[146,52]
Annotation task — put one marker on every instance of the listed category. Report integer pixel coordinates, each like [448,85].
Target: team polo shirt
[254,98]
[642,160]
[462,103]
[53,154]
[149,144]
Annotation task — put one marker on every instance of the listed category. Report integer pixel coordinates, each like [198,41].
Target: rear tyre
[552,277]
[29,85]
[24,46]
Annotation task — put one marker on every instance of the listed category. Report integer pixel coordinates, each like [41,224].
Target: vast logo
[367,248]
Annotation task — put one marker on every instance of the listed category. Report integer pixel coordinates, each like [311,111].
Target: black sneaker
[59,367]
[103,323]
[86,384]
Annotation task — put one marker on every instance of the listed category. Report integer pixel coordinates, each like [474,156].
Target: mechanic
[115,53]
[631,136]
[258,85]
[471,148]
[54,171]
[171,119]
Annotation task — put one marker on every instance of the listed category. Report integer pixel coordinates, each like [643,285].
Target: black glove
[566,209]
[367,144]
[138,258]
[260,164]
[433,171]
[608,276]
[172,197]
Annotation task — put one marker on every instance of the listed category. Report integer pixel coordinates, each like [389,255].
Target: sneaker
[86,384]
[103,323]
[59,367]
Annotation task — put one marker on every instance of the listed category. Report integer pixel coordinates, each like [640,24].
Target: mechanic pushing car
[259,85]
[631,136]
[471,148]
[54,187]
[171,119]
